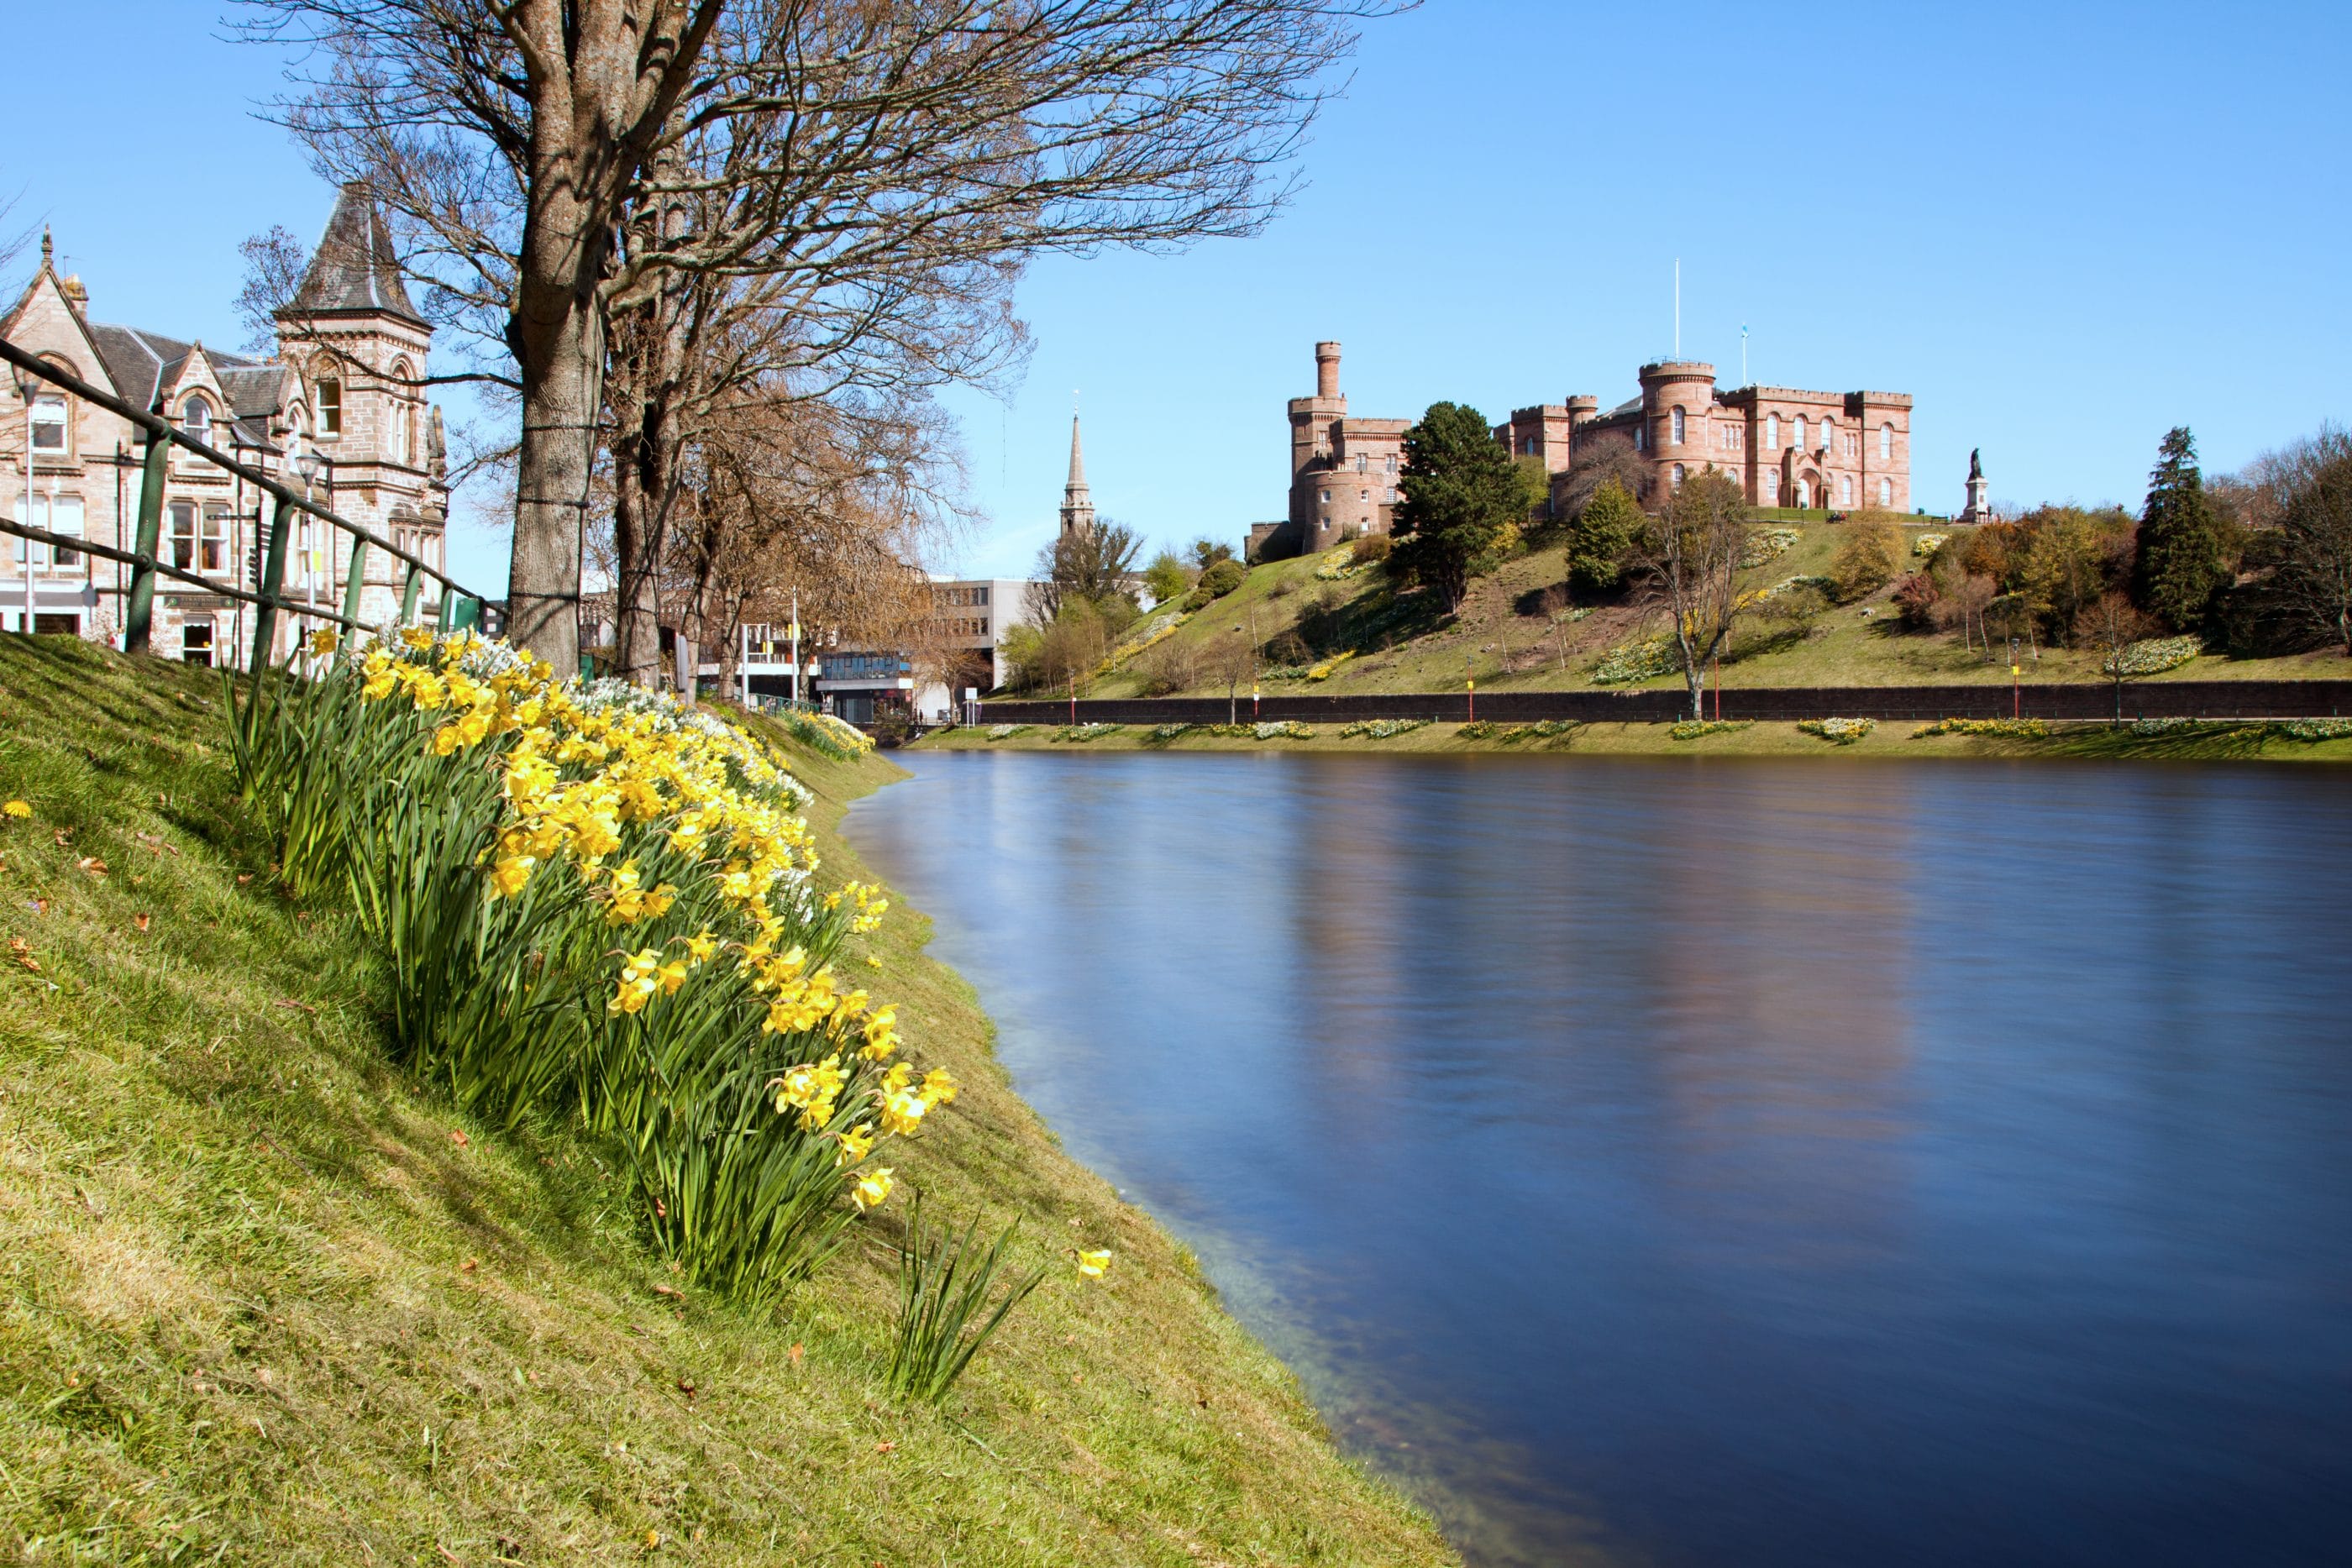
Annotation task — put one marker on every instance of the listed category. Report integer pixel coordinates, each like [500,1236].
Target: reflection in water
[1719,1164]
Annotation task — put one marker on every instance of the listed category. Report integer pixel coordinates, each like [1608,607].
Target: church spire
[1078,506]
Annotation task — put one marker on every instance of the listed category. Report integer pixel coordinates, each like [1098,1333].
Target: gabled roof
[355,268]
[143,363]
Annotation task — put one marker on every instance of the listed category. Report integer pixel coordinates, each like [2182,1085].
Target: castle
[1785,447]
[343,387]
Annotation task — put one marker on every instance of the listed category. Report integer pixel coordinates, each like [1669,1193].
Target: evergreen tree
[1459,490]
[2183,565]
[1601,535]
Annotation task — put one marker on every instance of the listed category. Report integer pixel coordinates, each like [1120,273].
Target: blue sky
[2061,228]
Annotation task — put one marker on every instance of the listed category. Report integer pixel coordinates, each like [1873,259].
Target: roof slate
[355,268]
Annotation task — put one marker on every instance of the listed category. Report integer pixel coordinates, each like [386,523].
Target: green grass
[1500,638]
[270,1303]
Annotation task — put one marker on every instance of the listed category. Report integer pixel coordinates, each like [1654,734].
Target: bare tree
[2313,582]
[1687,559]
[1232,659]
[1597,462]
[881,141]
[2108,626]
[274,263]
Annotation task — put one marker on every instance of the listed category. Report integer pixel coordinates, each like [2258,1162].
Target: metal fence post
[138,615]
[449,609]
[273,578]
[408,595]
[356,578]
[469,613]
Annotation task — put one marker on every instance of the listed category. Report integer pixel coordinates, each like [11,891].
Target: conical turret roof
[355,268]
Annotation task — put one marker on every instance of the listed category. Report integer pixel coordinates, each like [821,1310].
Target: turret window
[1886,442]
[331,406]
[1678,427]
[1678,475]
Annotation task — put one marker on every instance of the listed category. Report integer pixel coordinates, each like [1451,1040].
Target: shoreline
[2076,741]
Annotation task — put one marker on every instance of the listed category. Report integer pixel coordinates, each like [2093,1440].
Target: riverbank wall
[1656,705]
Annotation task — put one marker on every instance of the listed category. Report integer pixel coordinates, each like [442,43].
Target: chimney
[1327,369]
[76,295]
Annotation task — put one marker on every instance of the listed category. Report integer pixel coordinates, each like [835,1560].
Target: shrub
[1915,597]
[1222,579]
[1699,729]
[592,901]
[2152,655]
[1168,667]
[1634,662]
[1369,549]
[1839,731]
[1866,561]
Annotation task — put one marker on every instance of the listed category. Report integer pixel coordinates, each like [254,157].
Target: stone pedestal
[1977,510]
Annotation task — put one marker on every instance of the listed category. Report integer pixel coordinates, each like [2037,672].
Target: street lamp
[306,464]
[26,384]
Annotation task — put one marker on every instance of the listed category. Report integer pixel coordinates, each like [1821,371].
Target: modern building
[342,397]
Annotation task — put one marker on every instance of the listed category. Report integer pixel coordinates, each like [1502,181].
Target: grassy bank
[1504,638]
[272,1302]
[2217,741]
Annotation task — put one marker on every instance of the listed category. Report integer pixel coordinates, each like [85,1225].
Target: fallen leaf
[794,1353]
[246,877]
[468,1266]
[92,864]
[137,880]
[140,921]
[304,1007]
[885,1447]
[669,1290]
[458,1136]
[171,849]
[63,835]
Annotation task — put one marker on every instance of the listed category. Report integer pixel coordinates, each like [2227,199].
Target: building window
[1362,462]
[1327,496]
[1677,436]
[1362,497]
[213,547]
[1773,487]
[1886,492]
[1641,438]
[58,514]
[197,641]
[183,535]
[1391,494]
[1771,433]
[1678,472]
[196,419]
[1845,489]
[48,422]
[1392,465]
[1886,442]
[1800,423]
[331,406]
[1829,435]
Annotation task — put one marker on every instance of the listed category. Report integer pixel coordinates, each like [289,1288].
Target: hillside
[1504,638]
[271,1302]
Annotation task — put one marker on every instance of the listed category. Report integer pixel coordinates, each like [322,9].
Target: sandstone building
[1787,447]
[344,386]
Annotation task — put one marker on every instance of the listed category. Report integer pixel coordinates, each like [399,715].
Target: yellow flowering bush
[593,900]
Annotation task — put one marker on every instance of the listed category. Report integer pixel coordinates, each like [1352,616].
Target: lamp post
[26,384]
[306,464]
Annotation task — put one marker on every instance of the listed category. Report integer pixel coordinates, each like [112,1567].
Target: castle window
[1361,461]
[1391,494]
[48,422]
[1678,427]
[1845,489]
[1772,432]
[1678,469]
[1829,435]
[1391,464]
[1886,442]
[331,406]
[1886,492]
[1773,487]
[1327,497]
[1362,497]
[1799,423]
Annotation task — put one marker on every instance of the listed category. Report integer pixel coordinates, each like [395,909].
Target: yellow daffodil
[323,642]
[871,1189]
[1093,1264]
[701,946]
[903,1111]
[939,1086]
[507,876]
[855,1144]
[639,981]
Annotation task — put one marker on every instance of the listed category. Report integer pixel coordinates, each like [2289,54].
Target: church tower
[1078,506]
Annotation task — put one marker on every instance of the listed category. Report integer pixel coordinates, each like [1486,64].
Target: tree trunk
[559,351]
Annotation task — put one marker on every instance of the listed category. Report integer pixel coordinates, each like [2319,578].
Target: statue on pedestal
[1978,510]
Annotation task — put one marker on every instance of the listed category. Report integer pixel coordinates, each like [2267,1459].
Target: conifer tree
[1603,534]
[2182,564]
[1459,489]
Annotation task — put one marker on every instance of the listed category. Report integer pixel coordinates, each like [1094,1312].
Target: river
[1712,1162]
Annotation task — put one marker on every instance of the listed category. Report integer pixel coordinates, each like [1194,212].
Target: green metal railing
[460,607]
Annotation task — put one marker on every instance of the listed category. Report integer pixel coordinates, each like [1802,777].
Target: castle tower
[1078,506]
[1678,401]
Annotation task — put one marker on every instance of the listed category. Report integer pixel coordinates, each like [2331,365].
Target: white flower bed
[1272,730]
[1766,546]
[1005,731]
[1634,662]
[2153,657]
[1381,728]
[1927,545]
[1839,731]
